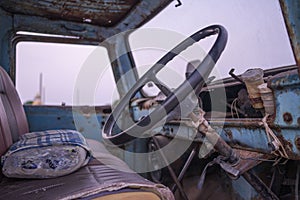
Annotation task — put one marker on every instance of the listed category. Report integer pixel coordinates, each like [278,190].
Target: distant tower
[38,100]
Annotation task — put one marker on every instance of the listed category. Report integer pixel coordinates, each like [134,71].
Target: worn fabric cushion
[46,154]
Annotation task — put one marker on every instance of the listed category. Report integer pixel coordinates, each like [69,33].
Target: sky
[256,38]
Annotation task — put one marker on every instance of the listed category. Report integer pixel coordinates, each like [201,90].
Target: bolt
[297,142]
[287,117]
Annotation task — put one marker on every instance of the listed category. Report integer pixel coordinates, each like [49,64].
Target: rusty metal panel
[250,159]
[103,13]
[286,87]
[256,139]
[244,137]
[62,117]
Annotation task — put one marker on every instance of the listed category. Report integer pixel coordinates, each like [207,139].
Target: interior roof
[99,12]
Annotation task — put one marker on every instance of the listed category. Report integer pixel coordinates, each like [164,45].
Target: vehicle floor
[214,188]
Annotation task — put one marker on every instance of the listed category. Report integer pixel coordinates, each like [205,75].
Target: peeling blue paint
[58,117]
[286,87]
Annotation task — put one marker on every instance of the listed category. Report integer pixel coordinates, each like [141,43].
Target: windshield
[256,30]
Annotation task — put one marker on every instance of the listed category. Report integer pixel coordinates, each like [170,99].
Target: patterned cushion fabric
[46,154]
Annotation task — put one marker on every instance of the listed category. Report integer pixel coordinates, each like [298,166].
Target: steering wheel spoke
[163,87]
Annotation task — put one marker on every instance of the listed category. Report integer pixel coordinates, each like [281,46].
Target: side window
[49,73]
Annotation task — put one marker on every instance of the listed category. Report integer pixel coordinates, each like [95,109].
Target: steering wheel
[196,79]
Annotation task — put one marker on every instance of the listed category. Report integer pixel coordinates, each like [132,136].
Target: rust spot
[287,118]
[81,130]
[87,116]
[229,134]
[286,143]
[297,142]
[288,146]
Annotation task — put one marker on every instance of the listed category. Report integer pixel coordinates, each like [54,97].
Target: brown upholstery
[94,181]
[12,116]
[130,196]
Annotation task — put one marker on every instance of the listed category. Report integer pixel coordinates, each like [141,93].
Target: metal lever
[235,76]
[232,172]
[178,4]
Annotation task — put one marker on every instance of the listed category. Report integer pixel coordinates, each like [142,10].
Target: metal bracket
[178,4]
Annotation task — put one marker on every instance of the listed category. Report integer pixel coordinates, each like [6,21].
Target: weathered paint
[138,15]
[256,140]
[245,138]
[44,25]
[286,88]
[244,164]
[103,13]
[61,117]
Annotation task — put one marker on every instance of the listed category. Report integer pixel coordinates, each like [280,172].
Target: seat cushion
[105,177]
[46,154]
[92,181]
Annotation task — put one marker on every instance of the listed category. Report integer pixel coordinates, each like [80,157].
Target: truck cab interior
[231,138]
